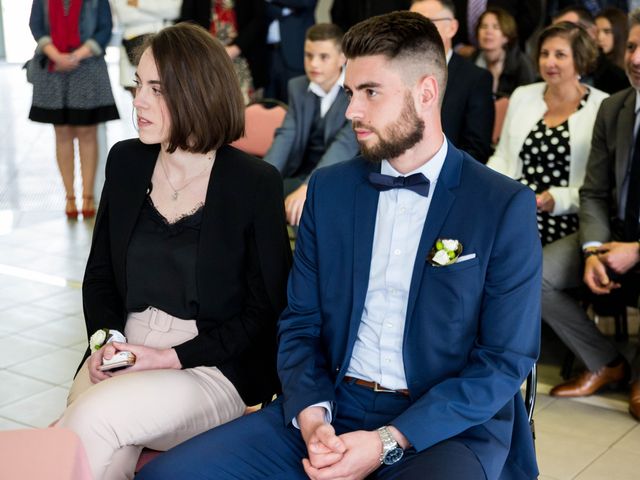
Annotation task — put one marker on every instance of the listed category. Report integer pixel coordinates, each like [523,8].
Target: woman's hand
[545,202]
[81,53]
[147,358]
[233,51]
[95,360]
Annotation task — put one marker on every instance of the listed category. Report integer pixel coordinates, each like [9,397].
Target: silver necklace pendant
[175,195]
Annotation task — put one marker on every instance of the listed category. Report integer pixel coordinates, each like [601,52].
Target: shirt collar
[637,102]
[430,169]
[318,90]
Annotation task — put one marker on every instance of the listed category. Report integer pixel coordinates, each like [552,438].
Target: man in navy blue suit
[414,300]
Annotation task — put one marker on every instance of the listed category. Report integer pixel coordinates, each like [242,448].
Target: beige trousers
[158,409]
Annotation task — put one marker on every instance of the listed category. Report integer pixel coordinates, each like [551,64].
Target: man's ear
[343,59]
[453,28]
[428,93]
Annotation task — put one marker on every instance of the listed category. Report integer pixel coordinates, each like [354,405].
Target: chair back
[260,126]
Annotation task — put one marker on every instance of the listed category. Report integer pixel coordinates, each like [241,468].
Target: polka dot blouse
[546,157]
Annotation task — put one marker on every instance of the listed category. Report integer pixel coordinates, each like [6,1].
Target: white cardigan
[149,16]
[526,108]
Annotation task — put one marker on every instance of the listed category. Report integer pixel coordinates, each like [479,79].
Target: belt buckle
[379,388]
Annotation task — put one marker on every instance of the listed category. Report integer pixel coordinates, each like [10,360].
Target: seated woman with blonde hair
[189,261]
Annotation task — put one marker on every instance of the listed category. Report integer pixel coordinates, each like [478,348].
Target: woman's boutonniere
[103,336]
[444,252]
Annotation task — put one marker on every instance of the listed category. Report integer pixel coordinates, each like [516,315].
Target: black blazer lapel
[128,185]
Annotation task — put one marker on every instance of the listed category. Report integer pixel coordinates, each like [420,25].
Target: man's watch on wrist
[391,451]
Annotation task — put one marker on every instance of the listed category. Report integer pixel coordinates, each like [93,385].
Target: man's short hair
[584,16]
[447,4]
[583,47]
[400,36]
[200,88]
[634,19]
[325,31]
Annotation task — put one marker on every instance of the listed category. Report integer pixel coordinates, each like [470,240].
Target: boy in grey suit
[315,132]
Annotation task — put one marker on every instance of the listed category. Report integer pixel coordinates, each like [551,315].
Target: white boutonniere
[445,252]
[103,336]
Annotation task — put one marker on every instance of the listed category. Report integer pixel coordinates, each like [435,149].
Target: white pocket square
[464,258]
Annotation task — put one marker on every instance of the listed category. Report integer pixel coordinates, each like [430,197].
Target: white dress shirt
[327,98]
[377,353]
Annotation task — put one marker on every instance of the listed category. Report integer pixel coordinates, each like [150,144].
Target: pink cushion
[43,453]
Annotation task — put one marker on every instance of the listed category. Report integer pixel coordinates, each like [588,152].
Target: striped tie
[475,8]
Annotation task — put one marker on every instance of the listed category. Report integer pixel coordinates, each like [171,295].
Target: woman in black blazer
[189,260]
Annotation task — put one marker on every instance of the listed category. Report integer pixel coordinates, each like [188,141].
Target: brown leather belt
[376,387]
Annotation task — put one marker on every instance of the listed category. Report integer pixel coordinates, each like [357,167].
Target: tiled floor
[42,334]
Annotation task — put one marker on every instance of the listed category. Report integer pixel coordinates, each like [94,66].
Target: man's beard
[398,137]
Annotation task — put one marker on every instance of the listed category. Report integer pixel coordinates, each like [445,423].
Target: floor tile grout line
[14,421]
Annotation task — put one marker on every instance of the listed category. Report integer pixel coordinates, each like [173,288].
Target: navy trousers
[262,446]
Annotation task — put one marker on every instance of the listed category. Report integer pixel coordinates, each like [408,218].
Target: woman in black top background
[189,260]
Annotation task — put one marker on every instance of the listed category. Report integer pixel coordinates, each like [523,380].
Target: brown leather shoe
[634,400]
[590,382]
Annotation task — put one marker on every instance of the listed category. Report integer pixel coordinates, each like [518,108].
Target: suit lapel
[443,199]
[365,208]
[624,138]
[334,119]
[305,114]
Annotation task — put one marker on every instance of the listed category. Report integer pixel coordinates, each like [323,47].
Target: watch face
[393,455]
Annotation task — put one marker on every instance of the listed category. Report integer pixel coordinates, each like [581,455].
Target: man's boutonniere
[444,252]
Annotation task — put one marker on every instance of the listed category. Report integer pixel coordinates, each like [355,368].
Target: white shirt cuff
[328,416]
[590,245]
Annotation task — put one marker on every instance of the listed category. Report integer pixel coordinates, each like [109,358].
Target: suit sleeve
[595,193]
[302,366]
[284,140]
[475,137]
[267,264]
[102,303]
[507,342]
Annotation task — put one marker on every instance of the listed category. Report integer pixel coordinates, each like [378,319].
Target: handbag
[39,61]
[133,46]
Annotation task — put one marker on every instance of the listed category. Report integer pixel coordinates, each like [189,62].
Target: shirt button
[397,251]
[388,360]
[389,325]
[402,209]
[392,291]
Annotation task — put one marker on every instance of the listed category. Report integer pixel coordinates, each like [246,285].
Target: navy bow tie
[417,183]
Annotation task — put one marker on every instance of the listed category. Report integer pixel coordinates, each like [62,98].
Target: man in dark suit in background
[609,234]
[467,109]
[288,21]
[315,132]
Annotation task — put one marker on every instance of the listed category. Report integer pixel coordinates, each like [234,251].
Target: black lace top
[161,263]
[546,157]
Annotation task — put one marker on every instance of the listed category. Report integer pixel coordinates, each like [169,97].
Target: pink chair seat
[51,453]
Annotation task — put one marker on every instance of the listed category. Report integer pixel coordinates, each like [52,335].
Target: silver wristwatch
[391,451]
